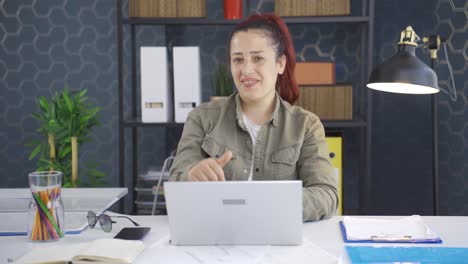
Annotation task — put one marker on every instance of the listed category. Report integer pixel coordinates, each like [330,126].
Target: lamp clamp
[432,42]
[409,37]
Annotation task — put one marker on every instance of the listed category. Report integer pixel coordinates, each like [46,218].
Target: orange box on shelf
[315,73]
[328,102]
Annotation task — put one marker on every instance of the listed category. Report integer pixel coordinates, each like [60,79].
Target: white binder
[154,85]
[187,81]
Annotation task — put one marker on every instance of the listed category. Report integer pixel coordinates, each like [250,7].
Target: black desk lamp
[405,73]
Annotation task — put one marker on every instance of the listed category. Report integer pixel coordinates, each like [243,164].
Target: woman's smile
[249,82]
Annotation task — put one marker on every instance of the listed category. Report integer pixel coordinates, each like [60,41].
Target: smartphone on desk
[133,233]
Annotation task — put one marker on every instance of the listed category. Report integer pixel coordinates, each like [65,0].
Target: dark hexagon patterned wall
[451,21]
[46,45]
[402,129]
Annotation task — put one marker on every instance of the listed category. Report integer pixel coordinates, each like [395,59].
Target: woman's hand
[210,169]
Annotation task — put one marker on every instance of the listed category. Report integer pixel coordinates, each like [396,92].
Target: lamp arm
[451,83]
[433,43]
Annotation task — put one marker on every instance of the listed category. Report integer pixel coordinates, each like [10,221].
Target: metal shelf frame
[363,122]
[204,21]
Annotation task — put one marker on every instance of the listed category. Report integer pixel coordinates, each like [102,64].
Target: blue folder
[407,255]
[387,240]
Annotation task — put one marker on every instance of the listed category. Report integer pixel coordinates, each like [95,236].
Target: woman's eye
[258,58]
[236,60]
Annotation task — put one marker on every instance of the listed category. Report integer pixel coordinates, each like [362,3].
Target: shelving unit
[362,122]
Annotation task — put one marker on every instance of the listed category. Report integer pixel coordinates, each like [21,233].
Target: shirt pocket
[215,150]
[284,163]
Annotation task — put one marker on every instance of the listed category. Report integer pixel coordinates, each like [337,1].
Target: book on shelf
[328,102]
[312,7]
[166,8]
[191,8]
[152,8]
[105,250]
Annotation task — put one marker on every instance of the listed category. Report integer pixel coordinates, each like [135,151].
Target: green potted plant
[222,82]
[66,121]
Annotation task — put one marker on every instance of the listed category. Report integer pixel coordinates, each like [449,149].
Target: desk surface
[74,199]
[317,237]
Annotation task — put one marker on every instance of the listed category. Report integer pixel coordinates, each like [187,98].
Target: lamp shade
[404,73]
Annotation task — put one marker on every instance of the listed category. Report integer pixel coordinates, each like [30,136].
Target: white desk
[14,204]
[74,199]
[323,234]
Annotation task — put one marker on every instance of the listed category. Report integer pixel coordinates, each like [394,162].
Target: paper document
[411,228]
[163,252]
[306,253]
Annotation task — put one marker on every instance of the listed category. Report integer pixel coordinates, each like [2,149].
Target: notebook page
[111,250]
[49,253]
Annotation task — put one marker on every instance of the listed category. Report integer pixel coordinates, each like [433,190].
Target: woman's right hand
[210,169]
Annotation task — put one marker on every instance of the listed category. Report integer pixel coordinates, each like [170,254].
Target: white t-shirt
[253,131]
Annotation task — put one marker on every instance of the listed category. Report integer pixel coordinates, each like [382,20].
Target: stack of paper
[407,229]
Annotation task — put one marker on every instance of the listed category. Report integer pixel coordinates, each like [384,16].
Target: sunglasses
[104,220]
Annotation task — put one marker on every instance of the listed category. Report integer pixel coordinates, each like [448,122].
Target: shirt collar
[274,116]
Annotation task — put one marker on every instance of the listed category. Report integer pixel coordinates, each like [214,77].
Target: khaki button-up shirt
[290,146]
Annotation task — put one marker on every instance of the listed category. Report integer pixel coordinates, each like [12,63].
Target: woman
[256,134]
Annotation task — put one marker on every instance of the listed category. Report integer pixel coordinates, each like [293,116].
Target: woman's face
[254,65]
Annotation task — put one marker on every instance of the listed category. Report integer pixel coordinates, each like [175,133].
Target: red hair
[277,30]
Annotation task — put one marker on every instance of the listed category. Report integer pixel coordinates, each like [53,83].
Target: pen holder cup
[45,215]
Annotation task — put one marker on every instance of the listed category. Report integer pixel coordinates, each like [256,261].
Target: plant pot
[232,9]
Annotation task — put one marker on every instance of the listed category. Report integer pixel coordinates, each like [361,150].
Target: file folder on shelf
[187,81]
[335,149]
[154,85]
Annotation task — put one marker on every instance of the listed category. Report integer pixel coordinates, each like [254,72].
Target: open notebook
[106,250]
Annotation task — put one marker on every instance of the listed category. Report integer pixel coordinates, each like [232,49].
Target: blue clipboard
[387,240]
[406,254]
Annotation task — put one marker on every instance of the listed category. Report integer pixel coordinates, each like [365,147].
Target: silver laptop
[234,212]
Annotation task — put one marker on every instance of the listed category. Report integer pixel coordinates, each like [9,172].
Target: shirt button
[256,169]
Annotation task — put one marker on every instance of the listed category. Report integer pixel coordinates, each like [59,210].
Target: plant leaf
[35,151]
[43,104]
[83,93]
[68,101]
